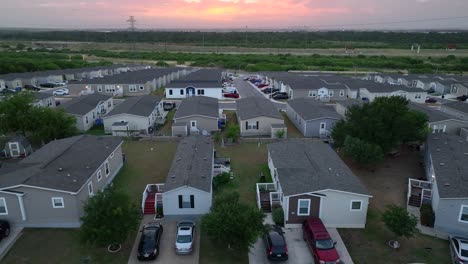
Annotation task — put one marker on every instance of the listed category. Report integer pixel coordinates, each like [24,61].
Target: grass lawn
[147,162]
[248,160]
[388,184]
[293,132]
[96,130]
[166,129]
[160,92]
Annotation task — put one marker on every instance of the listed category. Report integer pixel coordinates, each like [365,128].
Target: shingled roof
[64,164]
[192,165]
[309,166]
[252,107]
[85,103]
[310,108]
[139,106]
[198,105]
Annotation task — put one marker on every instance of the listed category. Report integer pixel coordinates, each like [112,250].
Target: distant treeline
[36,61]
[292,39]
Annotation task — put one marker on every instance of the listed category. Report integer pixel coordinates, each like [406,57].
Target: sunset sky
[216,14]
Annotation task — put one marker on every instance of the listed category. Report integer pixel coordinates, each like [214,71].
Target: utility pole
[132,28]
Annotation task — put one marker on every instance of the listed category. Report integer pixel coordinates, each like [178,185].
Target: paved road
[248,90]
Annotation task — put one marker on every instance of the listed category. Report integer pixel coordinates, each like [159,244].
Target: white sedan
[62,91]
[185,237]
[459,247]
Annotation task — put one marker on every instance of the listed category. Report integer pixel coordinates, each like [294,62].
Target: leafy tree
[109,217]
[20,46]
[17,113]
[362,151]
[52,124]
[232,223]
[233,132]
[278,216]
[399,221]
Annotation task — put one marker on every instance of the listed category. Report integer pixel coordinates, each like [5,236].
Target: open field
[147,162]
[388,185]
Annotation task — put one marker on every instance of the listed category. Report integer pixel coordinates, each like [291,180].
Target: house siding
[447,216]
[203,123]
[451,126]
[137,123]
[264,124]
[314,208]
[202,202]
[295,118]
[313,126]
[408,95]
[13,207]
[209,92]
[81,123]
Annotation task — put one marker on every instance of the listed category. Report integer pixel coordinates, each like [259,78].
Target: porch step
[414,200]
[266,207]
[149,204]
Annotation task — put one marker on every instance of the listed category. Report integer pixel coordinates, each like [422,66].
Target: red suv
[319,241]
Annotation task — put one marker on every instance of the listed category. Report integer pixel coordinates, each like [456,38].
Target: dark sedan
[275,245]
[31,87]
[270,90]
[4,229]
[148,248]
[280,95]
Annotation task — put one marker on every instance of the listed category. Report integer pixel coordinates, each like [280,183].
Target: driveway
[167,253]
[246,89]
[8,242]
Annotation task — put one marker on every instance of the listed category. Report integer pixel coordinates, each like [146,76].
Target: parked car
[431,100]
[365,99]
[31,87]
[231,95]
[459,247]
[148,248]
[8,91]
[280,95]
[62,91]
[275,245]
[462,98]
[261,85]
[4,229]
[185,237]
[48,85]
[168,106]
[319,241]
[58,84]
[270,90]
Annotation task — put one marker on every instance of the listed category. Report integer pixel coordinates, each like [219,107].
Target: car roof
[317,228]
[277,239]
[152,225]
[184,230]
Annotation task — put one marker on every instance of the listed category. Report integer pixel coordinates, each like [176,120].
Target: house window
[99,176]
[193,123]
[142,88]
[438,128]
[57,202]
[109,104]
[417,96]
[90,188]
[303,207]
[86,119]
[341,93]
[99,88]
[181,92]
[94,115]
[330,93]
[106,166]
[3,207]
[463,214]
[251,125]
[356,206]
[186,201]
[200,91]
[132,88]
[322,125]
[109,88]
[312,93]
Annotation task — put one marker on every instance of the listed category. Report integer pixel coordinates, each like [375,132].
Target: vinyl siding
[202,202]
[203,123]
[447,216]
[264,124]
[209,92]
[134,122]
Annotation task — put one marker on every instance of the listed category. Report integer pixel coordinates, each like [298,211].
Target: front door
[14,149]
[190,91]
[323,128]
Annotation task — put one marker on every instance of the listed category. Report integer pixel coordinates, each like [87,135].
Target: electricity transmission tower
[132,28]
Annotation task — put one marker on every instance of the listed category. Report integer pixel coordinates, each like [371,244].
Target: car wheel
[7,232]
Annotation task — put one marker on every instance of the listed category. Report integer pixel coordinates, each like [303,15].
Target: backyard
[293,132]
[388,184]
[146,162]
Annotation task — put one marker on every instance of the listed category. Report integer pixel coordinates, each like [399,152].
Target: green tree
[232,223]
[109,217]
[399,221]
[362,151]
[17,113]
[233,132]
[52,124]
[20,46]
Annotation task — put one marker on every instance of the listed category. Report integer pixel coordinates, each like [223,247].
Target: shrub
[221,180]
[280,133]
[278,216]
[399,221]
[427,215]
[217,137]
[233,132]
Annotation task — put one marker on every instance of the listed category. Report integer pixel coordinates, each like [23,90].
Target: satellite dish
[205,133]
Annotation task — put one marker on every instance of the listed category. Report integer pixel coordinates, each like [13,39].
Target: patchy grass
[293,132]
[166,129]
[146,162]
[159,92]
[231,116]
[96,130]
[388,184]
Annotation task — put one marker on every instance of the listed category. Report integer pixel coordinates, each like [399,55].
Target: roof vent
[205,158]
[441,164]
[179,159]
[173,176]
[60,169]
[438,149]
[436,138]
[87,166]
[68,174]
[329,169]
[74,180]
[466,153]
[447,184]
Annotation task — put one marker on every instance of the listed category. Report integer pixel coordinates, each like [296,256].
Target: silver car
[185,237]
[459,247]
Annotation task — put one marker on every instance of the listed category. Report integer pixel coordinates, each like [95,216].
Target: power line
[132,22]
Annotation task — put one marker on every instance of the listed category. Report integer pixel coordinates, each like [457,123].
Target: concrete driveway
[246,89]
[167,253]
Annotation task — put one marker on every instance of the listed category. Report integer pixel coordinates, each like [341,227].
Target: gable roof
[310,108]
[350,102]
[252,107]
[202,78]
[449,159]
[131,77]
[139,106]
[433,114]
[85,103]
[192,165]
[64,164]
[309,166]
[41,96]
[375,87]
[198,105]
[459,106]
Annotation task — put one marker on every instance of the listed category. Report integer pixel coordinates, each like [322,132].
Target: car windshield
[184,238]
[464,253]
[149,241]
[324,244]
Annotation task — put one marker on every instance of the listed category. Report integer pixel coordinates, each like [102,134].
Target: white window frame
[299,207]
[99,88]
[59,198]
[312,93]
[193,121]
[252,125]
[107,168]
[355,201]
[99,176]
[331,93]
[4,205]
[170,92]
[132,88]
[90,188]
[341,93]
[463,206]
[142,88]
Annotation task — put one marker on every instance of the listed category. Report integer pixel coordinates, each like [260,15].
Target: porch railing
[426,187]
[264,187]
[158,188]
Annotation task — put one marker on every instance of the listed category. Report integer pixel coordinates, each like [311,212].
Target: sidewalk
[9,241]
